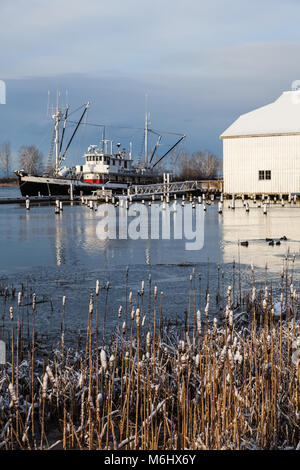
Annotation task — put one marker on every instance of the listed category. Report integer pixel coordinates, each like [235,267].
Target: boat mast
[146,131]
[56,116]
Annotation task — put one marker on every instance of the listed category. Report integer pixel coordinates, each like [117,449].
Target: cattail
[99,400]
[120,311]
[295,295]
[206,310]
[45,386]
[33,302]
[111,361]
[238,357]
[11,313]
[90,400]
[272,312]
[124,328]
[148,339]
[264,305]
[132,314]
[51,376]
[12,393]
[64,301]
[215,325]
[143,287]
[143,321]
[155,292]
[228,294]
[103,359]
[80,381]
[137,317]
[230,357]
[91,304]
[197,360]
[184,359]
[97,287]
[127,356]
[130,297]
[199,322]
[19,299]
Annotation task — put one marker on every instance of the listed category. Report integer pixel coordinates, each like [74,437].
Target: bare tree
[199,165]
[5,159]
[31,160]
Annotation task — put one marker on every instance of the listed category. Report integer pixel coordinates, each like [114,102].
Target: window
[264,174]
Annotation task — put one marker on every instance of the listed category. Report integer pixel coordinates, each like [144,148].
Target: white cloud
[52,37]
[202,63]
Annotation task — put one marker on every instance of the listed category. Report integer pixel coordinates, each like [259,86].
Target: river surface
[56,255]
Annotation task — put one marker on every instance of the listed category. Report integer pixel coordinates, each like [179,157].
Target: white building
[261,149]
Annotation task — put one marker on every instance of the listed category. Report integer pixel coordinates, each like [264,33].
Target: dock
[158,190]
[134,192]
[177,187]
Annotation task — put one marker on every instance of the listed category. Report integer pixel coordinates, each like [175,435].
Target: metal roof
[280,117]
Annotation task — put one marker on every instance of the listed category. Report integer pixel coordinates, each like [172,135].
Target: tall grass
[229,382]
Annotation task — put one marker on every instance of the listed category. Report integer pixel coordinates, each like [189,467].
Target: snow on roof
[280,117]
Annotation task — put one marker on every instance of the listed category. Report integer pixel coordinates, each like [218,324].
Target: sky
[201,64]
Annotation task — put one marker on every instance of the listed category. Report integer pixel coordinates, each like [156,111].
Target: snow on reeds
[232,382]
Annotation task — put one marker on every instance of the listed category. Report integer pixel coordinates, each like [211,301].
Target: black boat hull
[40,186]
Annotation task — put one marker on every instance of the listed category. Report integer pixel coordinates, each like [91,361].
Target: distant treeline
[30,159]
[200,165]
[9,180]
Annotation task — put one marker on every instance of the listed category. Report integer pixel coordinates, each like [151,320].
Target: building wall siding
[243,157]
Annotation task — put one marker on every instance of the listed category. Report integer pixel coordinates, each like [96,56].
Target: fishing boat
[106,166]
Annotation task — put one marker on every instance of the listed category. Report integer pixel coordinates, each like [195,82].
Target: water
[56,255]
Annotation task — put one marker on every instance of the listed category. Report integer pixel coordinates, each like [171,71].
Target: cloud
[53,37]
[202,63]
